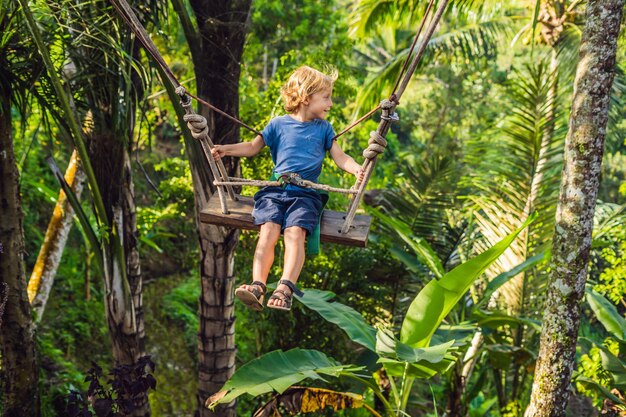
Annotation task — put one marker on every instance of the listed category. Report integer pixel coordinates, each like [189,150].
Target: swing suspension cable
[377,137]
[405,64]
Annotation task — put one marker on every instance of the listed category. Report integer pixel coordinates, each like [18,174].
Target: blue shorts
[287,207]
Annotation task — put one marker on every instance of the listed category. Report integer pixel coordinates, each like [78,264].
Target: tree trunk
[51,252]
[574,219]
[122,277]
[216,49]
[19,367]
[131,251]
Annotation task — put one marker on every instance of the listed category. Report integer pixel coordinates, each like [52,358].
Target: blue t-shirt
[298,146]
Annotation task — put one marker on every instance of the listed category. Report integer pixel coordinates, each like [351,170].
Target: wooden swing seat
[240,217]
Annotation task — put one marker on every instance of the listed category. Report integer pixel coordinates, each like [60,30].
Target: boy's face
[319,104]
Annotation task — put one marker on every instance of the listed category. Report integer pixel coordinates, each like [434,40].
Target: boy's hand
[360,174]
[218,152]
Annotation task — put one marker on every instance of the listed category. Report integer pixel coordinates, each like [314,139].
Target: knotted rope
[198,127]
[376,145]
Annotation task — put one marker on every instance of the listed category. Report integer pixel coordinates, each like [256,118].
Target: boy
[298,142]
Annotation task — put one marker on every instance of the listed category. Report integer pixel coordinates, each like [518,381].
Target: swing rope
[376,143]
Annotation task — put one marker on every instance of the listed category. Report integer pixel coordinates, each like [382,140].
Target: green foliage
[277,371]
[436,300]
[348,319]
[181,306]
[166,224]
[471,123]
[613,277]
[408,358]
[59,374]
[603,367]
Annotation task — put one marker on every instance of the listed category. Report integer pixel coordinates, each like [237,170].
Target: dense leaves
[476,151]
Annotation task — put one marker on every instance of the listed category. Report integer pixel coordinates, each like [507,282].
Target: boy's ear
[305,101]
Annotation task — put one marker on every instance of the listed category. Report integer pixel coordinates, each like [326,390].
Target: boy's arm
[345,161]
[239,149]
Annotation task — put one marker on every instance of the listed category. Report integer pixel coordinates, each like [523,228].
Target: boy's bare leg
[294,259]
[264,253]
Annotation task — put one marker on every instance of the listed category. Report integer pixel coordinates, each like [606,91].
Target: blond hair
[302,84]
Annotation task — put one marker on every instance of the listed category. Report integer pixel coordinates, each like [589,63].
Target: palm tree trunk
[574,219]
[42,277]
[19,367]
[131,251]
[122,276]
[216,49]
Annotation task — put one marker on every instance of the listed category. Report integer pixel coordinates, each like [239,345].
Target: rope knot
[388,104]
[197,124]
[376,145]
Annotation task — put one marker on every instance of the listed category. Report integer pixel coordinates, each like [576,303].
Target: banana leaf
[590,383]
[438,297]
[614,366]
[460,333]
[348,319]
[424,252]
[607,314]
[505,277]
[398,358]
[387,345]
[496,319]
[415,370]
[277,371]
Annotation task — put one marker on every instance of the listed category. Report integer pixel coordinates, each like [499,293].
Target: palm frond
[606,218]
[616,130]
[515,171]
[368,16]
[464,44]
[424,201]
[567,49]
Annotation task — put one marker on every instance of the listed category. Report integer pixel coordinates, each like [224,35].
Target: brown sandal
[253,298]
[281,295]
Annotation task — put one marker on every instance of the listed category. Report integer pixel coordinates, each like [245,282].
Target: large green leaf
[461,333]
[438,297]
[387,345]
[497,319]
[424,252]
[348,319]
[277,371]
[398,358]
[505,277]
[607,314]
[614,366]
[422,370]
[611,363]
[590,383]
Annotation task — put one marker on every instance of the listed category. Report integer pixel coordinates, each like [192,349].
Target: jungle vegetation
[496,256]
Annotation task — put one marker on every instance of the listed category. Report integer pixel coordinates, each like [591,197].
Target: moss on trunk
[574,219]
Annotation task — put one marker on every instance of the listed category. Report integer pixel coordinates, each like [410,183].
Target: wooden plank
[240,217]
